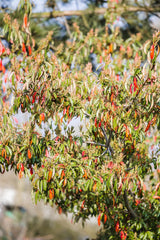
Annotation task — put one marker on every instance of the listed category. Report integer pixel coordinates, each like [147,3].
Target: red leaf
[117,227]
[2,49]
[31,171]
[46,153]
[123,235]
[152,52]
[148,126]
[64,111]
[131,88]
[110,165]
[101,179]
[95,122]
[99,219]
[135,83]
[137,202]
[29,50]
[83,153]
[1,65]
[15,119]
[34,97]
[23,48]
[22,167]
[118,78]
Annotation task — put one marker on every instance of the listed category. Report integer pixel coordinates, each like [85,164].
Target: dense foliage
[89,144]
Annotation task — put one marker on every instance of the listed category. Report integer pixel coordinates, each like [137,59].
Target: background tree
[101,169]
[137,16]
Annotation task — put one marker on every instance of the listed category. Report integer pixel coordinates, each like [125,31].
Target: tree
[101,169]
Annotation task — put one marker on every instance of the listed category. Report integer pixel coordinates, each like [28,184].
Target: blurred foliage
[40,26]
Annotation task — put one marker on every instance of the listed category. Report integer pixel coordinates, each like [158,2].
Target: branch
[129,169]
[105,135]
[108,150]
[94,143]
[107,140]
[66,24]
[68,13]
[129,208]
[101,11]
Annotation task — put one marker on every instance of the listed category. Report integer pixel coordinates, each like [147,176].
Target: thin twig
[130,209]
[66,24]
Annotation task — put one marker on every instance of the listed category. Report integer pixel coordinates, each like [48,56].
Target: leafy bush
[101,169]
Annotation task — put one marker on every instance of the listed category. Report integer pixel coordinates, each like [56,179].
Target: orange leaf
[157,186]
[94,187]
[144,187]
[112,95]
[20,174]
[99,219]
[49,175]
[127,132]
[62,174]
[42,116]
[25,20]
[65,182]
[111,48]
[51,194]
[59,210]
[61,119]
[105,218]
[68,111]
[156,197]
[29,154]
[85,174]
[3,152]
[82,206]
[3,69]
[23,48]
